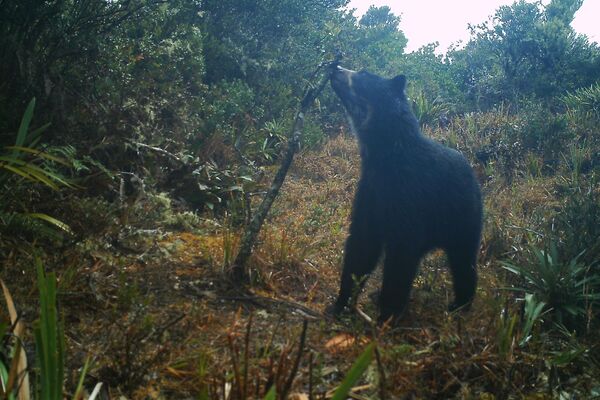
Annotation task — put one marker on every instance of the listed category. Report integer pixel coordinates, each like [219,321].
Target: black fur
[414,195]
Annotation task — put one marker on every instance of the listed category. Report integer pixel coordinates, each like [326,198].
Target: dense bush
[162,123]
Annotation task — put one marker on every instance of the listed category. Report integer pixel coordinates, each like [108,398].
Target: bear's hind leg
[463,265]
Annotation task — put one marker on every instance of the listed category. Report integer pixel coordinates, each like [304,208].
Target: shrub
[584,103]
[542,131]
[568,288]
[578,223]
[24,170]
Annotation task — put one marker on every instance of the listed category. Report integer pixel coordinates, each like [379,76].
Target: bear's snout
[342,75]
[341,81]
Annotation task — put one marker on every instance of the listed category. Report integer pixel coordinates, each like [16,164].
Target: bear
[414,195]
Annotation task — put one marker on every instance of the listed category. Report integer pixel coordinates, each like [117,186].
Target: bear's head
[373,103]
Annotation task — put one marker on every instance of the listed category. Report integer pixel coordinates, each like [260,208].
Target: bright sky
[427,21]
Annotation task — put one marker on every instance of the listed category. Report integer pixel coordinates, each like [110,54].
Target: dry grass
[164,323]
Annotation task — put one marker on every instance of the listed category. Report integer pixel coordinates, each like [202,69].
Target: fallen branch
[290,380]
[256,300]
[238,268]
[158,150]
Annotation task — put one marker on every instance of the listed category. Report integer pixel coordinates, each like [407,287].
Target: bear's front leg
[399,271]
[362,251]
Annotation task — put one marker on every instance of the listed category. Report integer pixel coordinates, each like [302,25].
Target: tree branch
[238,269]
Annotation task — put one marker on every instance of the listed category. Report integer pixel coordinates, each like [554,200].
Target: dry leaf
[298,396]
[341,342]
[21,367]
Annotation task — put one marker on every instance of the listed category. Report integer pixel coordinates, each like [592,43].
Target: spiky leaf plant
[25,164]
[568,288]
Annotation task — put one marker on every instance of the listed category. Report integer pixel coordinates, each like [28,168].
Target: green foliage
[526,50]
[271,394]
[578,223]
[358,368]
[275,136]
[231,110]
[28,162]
[9,354]
[433,74]
[542,131]
[53,49]
[22,166]
[193,100]
[218,185]
[184,76]
[506,331]
[533,312]
[428,112]
[584,102]
[244,40]
[49,339]
[379,43]
[568,288]
[50,348]
[573,350]
[247,38]
[107,75]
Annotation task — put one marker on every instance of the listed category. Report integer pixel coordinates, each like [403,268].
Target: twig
[363,315]
[381,374]
[236,368]
[380,369]
[160,330]
[290,380]
[159,150]
[280,369]
[96,391]
[246,352]
[352,394]
[271,377]
[525,229]
[121,191]
[238,268]
[255,299]
[256,385]
[310,376]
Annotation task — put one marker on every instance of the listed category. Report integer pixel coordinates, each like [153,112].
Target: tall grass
[49,344]
[49,339]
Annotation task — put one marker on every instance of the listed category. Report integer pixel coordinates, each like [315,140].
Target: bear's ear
[399,83]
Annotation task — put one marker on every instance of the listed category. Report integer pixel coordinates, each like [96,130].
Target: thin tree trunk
[238,268]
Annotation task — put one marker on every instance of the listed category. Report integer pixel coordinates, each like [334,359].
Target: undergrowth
[148,273]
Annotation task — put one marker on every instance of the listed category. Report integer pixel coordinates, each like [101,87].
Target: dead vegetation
[152,308]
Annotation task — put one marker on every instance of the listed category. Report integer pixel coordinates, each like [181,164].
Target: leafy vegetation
[24,165]
[567,288]
[49,342]
[156,130]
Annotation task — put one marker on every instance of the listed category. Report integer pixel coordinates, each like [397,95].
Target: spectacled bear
[414,195]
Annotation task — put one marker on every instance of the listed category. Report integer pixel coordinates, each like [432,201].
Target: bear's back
[428,191]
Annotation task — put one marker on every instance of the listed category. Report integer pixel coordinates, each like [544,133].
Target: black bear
[414,195]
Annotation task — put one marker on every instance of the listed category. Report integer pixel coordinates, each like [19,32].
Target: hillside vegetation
[138,138]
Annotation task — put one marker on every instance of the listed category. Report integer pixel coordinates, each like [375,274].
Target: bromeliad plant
[584,102]
[568,289]
[49,344]
[428,112]
[25,164]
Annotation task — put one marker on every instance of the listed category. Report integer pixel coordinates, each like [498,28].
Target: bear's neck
[392,137]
